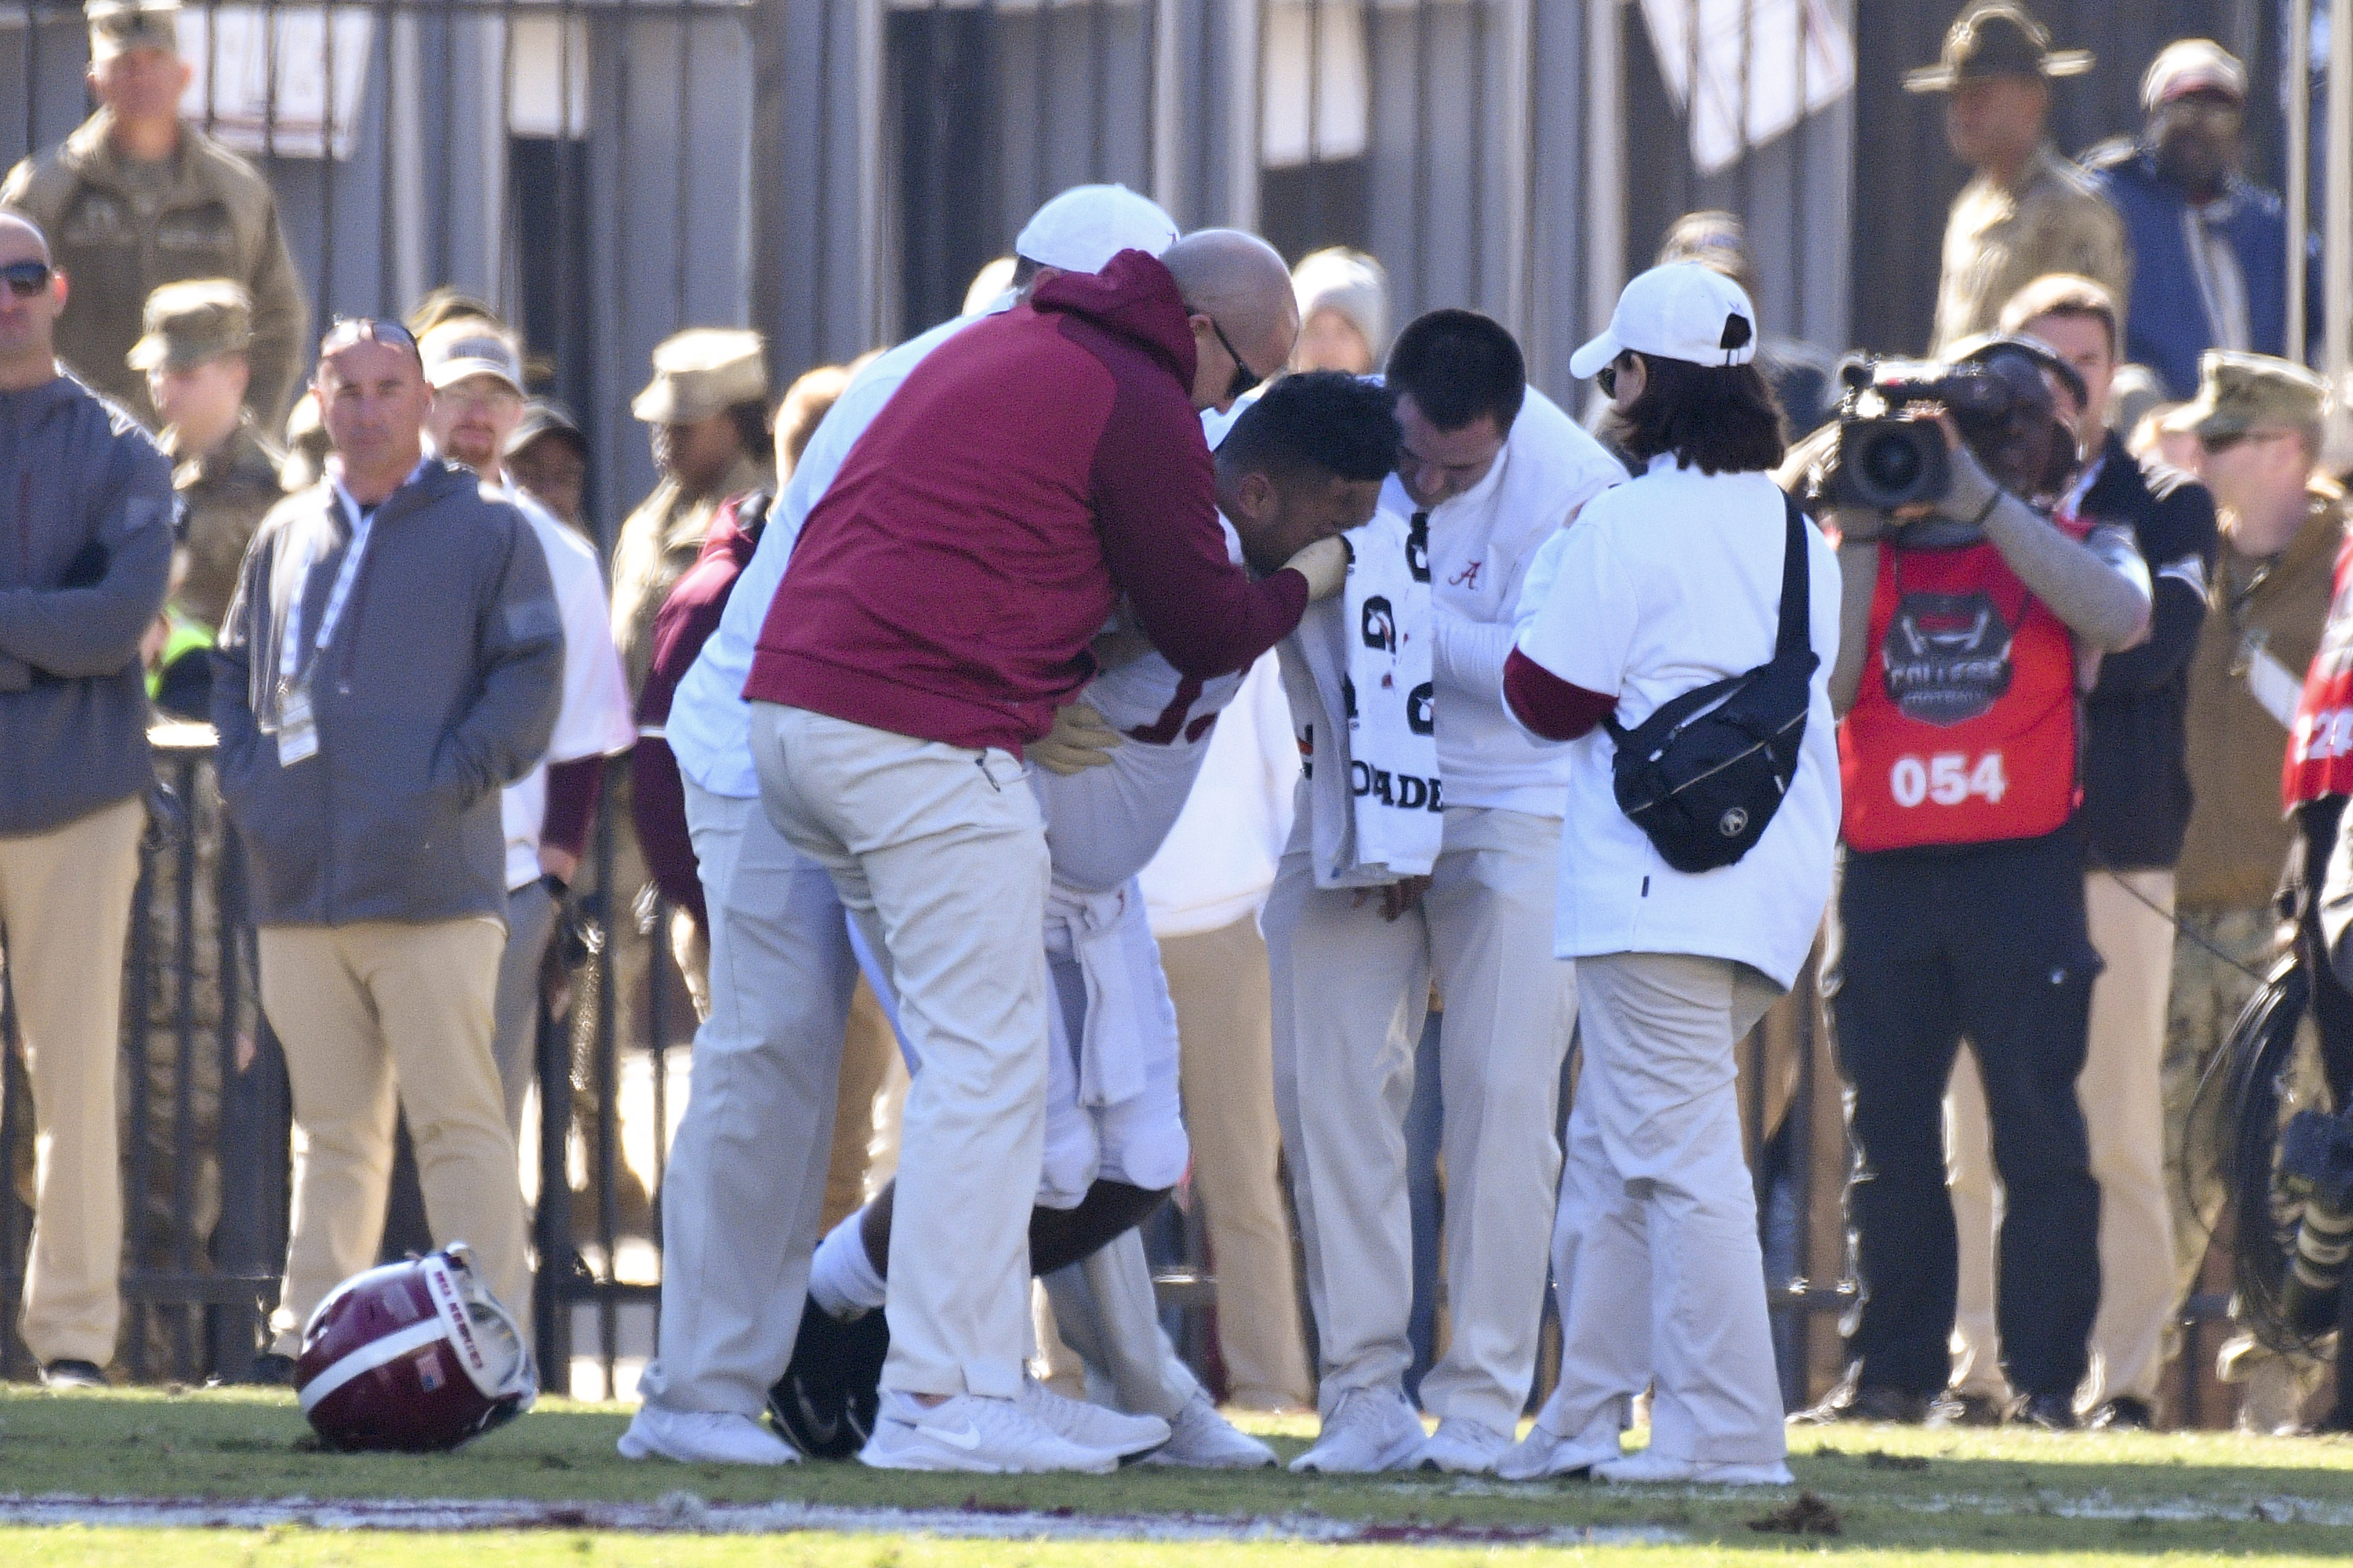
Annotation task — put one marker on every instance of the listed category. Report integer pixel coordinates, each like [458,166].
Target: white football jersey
[1102,825]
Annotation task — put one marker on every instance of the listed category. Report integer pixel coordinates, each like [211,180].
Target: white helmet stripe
[368,1357]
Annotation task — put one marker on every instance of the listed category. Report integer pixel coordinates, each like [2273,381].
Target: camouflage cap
[1995,38]
[188,323]
[700,372]
[2242,392]
[119,25]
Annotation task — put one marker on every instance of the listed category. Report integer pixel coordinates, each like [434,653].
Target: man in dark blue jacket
[393,659]
[86,506]
[2209,250]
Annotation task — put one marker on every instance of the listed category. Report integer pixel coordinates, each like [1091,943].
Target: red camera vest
[1964,729]
[2320,746]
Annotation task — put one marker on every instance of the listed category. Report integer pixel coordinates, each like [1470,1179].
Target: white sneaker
[1370,1429]
[702,1437]
[1544,1453]
[1122,1436]
[969,1432]
[1201,1440]
[1647,1468]
[1462,1447]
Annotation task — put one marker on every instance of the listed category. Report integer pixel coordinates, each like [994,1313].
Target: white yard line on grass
[685,1512]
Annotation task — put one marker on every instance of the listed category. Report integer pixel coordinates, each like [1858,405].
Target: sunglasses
[1607,379]
[345,330]
[2224,442]
[26,279]
[1244,377]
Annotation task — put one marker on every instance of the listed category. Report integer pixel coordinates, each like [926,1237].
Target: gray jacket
[85,556]
[438,688]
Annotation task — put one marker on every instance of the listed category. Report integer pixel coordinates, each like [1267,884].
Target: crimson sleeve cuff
[1549,706]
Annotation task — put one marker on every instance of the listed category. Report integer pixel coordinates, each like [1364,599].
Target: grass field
[1961,1497]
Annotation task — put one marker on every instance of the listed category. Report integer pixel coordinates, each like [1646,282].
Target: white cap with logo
[1082,229]
[468,346]
[1681,311]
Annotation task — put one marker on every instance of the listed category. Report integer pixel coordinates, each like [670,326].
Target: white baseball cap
[2192,65]
[1681,311]
[467,346]
[1082,229]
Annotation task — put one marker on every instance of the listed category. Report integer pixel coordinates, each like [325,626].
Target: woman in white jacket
[1665,584]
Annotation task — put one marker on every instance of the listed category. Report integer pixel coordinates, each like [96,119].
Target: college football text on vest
[1964,729]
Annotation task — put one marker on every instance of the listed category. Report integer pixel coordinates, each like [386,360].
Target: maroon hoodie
[1035,466]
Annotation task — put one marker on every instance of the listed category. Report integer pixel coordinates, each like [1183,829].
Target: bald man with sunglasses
[85,505]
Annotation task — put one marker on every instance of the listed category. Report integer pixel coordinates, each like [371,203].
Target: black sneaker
[72,1374]
[1954,1408]
[1889,1407]
[2125,1414]
[269,1370]
[2052,1412]
[827,1400]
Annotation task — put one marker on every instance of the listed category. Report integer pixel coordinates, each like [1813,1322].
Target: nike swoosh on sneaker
[963,1437]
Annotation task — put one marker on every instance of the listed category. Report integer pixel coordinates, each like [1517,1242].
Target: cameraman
[2136,813]
[1980,618]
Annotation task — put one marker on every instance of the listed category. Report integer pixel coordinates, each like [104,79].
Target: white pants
[1655,1253]
[1106,1311]
[2124,1113]
[1140,1139]
[1106,975]
[1350,994]
[747,1172]
[938,852]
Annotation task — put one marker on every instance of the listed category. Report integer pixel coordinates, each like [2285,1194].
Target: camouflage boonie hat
[117,27]
[700,372]
[2242,392]
[188,323]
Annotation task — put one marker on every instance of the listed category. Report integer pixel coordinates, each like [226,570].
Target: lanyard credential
[290,653]
[298,725]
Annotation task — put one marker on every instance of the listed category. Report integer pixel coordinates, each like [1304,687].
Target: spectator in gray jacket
[393,659]
[85,501]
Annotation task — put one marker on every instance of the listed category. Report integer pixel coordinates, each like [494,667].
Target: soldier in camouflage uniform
[196,356]
[2028,211]
[2280,531]
[225,473]
[708,406]
[136,199]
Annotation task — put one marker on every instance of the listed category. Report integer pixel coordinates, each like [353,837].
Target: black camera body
[1891,451]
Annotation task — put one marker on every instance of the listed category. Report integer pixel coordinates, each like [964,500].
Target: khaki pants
[747,1168]
[2125,1119]
[367,1012]
[1224,1027]
[64,913]
[1351,991]
[939,853]
[1655,1251]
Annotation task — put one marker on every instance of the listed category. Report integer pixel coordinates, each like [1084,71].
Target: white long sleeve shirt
[1482,544]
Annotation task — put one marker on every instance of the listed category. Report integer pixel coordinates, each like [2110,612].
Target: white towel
[1111,1062]
[1357,674]
[1121,968]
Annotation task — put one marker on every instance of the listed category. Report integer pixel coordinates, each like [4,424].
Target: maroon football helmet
[415,1357]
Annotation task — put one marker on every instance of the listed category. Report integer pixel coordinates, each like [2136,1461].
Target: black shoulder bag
[1703,775]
